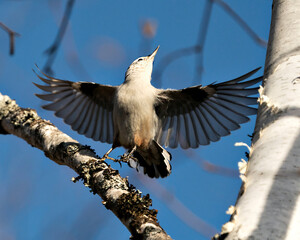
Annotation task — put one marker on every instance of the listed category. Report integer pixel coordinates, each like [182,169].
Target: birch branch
[118,195]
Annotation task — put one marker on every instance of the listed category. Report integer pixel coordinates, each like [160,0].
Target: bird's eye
[140,59]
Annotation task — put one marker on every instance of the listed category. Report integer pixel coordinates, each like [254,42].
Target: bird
[146,120]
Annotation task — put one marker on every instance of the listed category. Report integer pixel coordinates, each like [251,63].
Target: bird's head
[141,68]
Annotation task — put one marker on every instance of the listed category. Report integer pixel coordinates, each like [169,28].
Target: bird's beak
[154,53]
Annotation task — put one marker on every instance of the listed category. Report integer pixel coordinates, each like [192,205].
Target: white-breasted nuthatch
[142,118]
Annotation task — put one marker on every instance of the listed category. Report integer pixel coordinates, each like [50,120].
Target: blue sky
[38,200]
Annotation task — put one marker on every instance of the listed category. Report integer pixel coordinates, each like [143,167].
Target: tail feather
[154,161]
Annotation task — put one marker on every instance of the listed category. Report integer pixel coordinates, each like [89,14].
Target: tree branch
[118,195]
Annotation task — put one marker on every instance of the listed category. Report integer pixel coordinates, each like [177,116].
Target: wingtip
[39,95]
[37,72]
[38,85]
[256,70]
[40,71]
[241,78]
[46,88]
[251,72]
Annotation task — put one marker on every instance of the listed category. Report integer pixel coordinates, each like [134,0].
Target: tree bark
[118,195]
[268,206]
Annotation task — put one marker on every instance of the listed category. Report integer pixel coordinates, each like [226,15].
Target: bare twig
[242,23]
[210,167]
[118,195]
[52,50]
[201,40]
[12,36]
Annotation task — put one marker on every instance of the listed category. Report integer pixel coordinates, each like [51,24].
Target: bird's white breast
[135,120]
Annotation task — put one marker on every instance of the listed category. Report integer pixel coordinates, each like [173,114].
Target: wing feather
[194,129]
[74,115]
[215,121]
[242,85]
[97,129]
[238,92]
[200,131]
[88,130]
[168,130]
[69,108]
[203,134]
[209,128]
[162,130]
[183,135]
[82,120]
[86,106]
[110,126]
[241,100]
[190,130]
[198,115]
[230,124]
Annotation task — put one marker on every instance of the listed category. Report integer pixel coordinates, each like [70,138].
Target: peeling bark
[118,195]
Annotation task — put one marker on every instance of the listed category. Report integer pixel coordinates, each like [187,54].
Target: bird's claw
[127,157]
[105,156]
[118,161]
[123,158]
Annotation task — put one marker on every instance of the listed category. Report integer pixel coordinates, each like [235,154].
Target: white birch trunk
[268,206]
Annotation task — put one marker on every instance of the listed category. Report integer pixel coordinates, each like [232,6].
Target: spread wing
[198,115]
[86,106]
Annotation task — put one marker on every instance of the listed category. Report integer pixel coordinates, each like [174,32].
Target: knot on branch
[69,149]
[135,208]
[18,117]
[87,170]
[7,106]
[135,204]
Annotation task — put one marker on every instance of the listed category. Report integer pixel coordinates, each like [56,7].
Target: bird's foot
[105,156]
[125,157]
[129,155]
